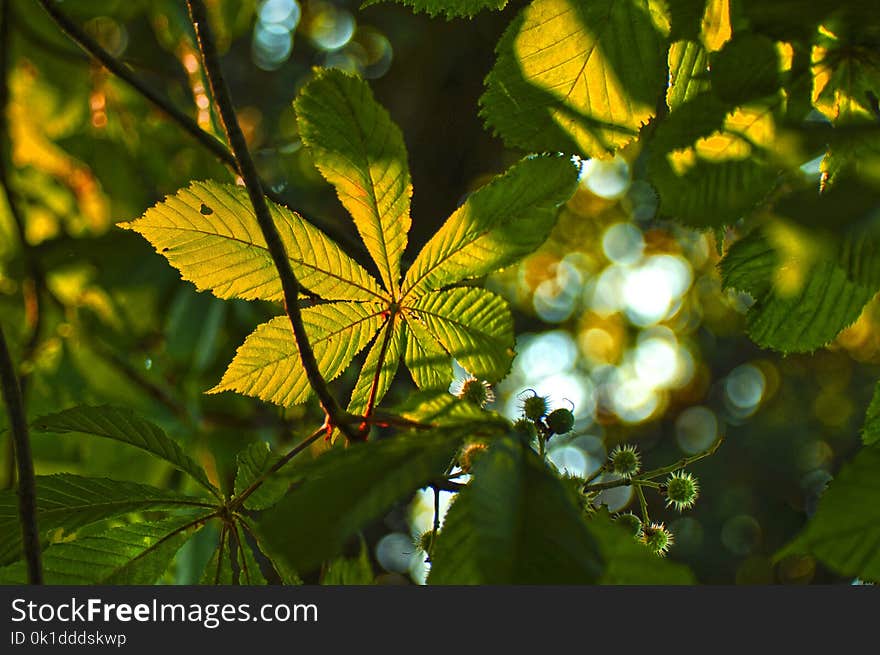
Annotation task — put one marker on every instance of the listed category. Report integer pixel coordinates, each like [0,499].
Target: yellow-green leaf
[429,365]
[209,232]
[268,366]
[498,224]
[360,151]
[390,362]
[473,325]
[578,77]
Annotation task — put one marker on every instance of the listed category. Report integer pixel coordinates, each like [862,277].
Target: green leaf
[440,408]
[497,225]
[209,232]
[844,533]
[218,570]
[577,77]
[268,366]
[390,363]
[350,570]
[448,8]
[514,523]
[746,68]
[719,180]
[688,72]
[252,463]
[429,365]
[871,429]
[134,554]
[628,562]
[473,325]
[846,72]
[346,488]
[67,502]
[361,152]
[121,424]
[803,298]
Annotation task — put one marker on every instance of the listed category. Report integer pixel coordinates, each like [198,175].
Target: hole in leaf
[205,210]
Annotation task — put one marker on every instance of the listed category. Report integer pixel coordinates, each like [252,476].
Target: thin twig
[27,495]
[644,478]
[289,284]
[123,72]
[238,501]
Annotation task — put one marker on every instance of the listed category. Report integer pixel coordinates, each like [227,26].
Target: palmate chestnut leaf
[360,151]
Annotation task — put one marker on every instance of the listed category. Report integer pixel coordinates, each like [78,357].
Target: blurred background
[619,314]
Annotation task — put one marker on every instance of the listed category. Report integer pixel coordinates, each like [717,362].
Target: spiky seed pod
[535,407]
[424,540]
[682,490]
[631,522]
[560,421]
[625,461]
[657,538]
[469,454]
[477,392]
[525,430]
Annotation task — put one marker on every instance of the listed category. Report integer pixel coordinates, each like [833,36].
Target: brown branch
[27,495]
[289,284]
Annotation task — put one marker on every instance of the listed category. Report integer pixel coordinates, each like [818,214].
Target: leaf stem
[238,501]
[643,504]
[248,171]
[680,464]
[374,387]
[644,478]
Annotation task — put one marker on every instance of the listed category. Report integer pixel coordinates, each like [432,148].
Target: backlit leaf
[135,554]
[472,325]
[497,225]
[267,365]
[66,502]
[360,151]
[209,232]
[577,77]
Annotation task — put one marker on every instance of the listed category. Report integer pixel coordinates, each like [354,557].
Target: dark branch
[248,171]
[27,495]
[123,72]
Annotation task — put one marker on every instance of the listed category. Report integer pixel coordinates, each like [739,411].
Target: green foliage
[514,524]
[723,108]
[350,570]
[629,562]
[577,77]
[132,554]
[871,429]
[253,464]
[121,424]
[844,533]
[360,151]
[343,490]
[66,502]
[803,297]
[448,8]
